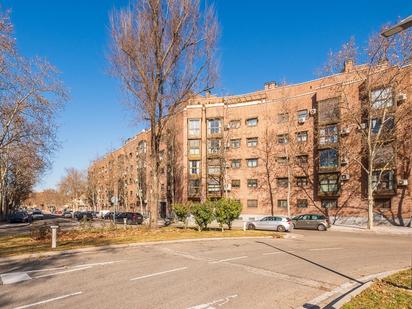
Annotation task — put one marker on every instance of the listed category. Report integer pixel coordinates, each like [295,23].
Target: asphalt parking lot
[309,270]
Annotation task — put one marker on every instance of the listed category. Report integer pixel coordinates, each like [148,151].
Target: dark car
[108,216]
[18,217]
[310,221]
[131,217]
[83,215]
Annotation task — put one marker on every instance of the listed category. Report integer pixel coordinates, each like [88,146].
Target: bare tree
[73,185]
[30,96]
[162,51]
[376,123]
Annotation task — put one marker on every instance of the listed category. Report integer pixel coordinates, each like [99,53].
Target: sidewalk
[379,229]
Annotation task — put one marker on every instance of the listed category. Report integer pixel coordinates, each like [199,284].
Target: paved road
[249,273]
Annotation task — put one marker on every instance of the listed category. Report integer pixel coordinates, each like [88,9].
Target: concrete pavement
[250,273]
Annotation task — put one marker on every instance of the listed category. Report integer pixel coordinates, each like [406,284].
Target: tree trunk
[370,201]
[154,193]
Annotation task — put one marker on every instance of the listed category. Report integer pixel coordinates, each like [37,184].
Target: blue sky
[260,41]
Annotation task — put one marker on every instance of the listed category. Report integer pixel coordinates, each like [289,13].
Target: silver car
[276,223]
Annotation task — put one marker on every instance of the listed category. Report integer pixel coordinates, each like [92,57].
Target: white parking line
[230,259]
[277,252]
[48,300]
[322,249]
[62,272]
[159,273]
[211,305]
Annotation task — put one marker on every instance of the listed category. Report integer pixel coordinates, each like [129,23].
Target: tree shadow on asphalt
[332,303]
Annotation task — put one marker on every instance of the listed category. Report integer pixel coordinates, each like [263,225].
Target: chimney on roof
[270,85]
[348,65]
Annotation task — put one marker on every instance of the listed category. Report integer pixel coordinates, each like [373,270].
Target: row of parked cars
[131,217]
[22,216]
[286,224]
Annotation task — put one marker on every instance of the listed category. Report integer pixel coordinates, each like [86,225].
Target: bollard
[124,223]
[244,225]
[54,235]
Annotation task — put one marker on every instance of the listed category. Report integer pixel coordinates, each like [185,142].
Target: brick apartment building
[283,144]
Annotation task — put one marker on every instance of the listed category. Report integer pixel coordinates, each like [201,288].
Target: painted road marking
[322,249]
[48,300]
[229,259]
[219,302]
[15,277]
[159,273]
[62,272]
[277,252]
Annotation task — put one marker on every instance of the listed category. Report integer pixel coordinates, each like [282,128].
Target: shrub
[203,213]
[226,211]
[182,211]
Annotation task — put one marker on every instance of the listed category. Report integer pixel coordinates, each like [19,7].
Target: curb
[117,246]
[363,287]
[342,294]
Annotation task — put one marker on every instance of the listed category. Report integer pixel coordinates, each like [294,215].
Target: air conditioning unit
[401,98]
[344,161]
[301,120]
[403,182]
[345,177]
[345,131]
[312,111]
[227,187]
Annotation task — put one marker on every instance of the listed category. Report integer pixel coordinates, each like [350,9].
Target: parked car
[68,214]
[276,223]
[131,217]
[18,217]
[102,213]
[108,216]
[83,215]
[310,221]
[37,214]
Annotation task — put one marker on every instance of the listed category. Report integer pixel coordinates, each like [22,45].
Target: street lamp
[402,25]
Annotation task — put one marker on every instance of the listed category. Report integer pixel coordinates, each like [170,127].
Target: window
[329,203]
[194,187]
[252,203]
[283,117]
[282,203]
[194,127]
[381,98]
[328,135]
[252,183]
[282,182]
[328,183]
[252,122]
[302,203]
[214,126]
[213,185]
[302,159]
[302,137]
[213,146]
[385,155]
[303,114]
[235,163]
[383,180]
[328,110]
[252,142]
[328,158]
[234,124]
[282,160]
[252,162]
[235,183]
[194,147]
[235,143]
[301,181]
[388,125]
[283,138]
[213,169]
[384,203]
[141,147]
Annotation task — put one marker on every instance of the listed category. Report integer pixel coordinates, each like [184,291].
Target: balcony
[194,192]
